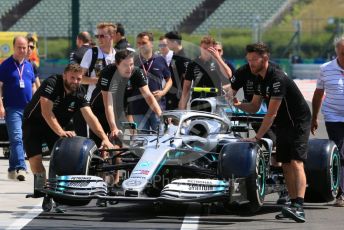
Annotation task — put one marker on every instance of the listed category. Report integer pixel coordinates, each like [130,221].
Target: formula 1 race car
[195,156]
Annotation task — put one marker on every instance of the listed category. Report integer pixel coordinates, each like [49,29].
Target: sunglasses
[31,47]
[101,35]
[162,45]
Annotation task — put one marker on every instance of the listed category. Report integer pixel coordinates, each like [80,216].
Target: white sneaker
[12,175]
[21,174]
[339,201]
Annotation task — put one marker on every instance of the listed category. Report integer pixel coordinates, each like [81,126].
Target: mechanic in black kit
[288,109]
[244,78]
[49,112]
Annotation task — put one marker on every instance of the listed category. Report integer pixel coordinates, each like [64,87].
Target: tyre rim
[335,170]
[261,177]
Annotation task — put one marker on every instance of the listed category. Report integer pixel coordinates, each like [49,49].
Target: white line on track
[190,222]
[24,220]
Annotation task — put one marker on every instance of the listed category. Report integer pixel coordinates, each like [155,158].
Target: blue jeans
[14,118]
[148,121]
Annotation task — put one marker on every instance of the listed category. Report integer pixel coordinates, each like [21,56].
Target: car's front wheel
[245,160]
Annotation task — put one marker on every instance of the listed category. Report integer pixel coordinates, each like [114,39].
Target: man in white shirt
[105,55]
[331,80]
[164,50]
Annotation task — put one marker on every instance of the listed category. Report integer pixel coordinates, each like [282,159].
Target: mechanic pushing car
[115,87]
[50,110]
[291,114]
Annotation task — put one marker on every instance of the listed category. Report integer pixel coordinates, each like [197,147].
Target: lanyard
[20,72]
[143,66]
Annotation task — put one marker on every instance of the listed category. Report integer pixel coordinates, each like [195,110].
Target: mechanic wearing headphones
[291,114]
[49,111]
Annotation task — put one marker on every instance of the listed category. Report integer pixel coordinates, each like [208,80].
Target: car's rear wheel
[322,170]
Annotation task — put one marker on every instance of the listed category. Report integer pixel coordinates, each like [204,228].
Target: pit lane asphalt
[18,212]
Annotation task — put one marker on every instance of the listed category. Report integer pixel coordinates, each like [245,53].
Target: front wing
[179,191]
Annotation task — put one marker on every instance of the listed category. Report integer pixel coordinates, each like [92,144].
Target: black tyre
[255,185]
[71,156]
[322,170]
[245,160]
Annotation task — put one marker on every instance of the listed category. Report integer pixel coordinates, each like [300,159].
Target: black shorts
[36,136]
[292,142]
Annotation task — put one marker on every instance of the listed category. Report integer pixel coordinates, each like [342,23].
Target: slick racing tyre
[71,156]
[322,170]
[245,160]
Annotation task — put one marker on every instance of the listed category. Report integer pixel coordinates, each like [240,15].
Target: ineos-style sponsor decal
[145,164]
[133,182]
[276,87]
[144,172]
[200,187]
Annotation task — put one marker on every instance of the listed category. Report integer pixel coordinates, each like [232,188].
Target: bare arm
[224,68]
[150,99]
[250,107]
[269,117]
[316,104]
[95,126]
[185,94]
[160,93]
[49,117]
[34,87]
[37,83]
[88,80]
[109,112]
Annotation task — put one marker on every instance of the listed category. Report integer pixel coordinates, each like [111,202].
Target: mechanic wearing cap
[291,114]
[49,111]
[208,70]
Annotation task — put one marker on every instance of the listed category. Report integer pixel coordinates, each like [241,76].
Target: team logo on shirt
[129,86]
[259,89]
[212,66]
[85,97]
[197,72]
[104,82]
[49,89]
[233,79]
[276,87]
[71,107]
[267,92]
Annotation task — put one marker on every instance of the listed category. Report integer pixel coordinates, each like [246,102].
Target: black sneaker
[294,212]
[47,204]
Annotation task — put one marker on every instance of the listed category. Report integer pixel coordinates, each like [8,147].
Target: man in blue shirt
[159,80]
[16,88]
